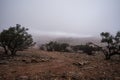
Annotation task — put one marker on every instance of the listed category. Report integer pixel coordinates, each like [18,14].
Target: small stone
[34,60]
[44,60]
[80,63]
[23,78]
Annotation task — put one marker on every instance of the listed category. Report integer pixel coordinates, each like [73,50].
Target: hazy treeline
[112,46]
[17,38]
[65,47]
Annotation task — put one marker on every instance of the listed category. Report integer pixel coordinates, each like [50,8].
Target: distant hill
[77,41]
[42,39]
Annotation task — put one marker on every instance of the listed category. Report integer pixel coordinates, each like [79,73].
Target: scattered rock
[44,60]
[117,78]
[13,71]
[34,60]
[90,67]
[22,78]
[0,77]
[105,78]
[4,62]
[75,78]
[80,63]
[25,61]
[64,75]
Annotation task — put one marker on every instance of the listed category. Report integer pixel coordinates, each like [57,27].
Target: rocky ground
[42,65]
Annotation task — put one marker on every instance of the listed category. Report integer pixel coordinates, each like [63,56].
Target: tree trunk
[107,57]
[6,51]
[13,52]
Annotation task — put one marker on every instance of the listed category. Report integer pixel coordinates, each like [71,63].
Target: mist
[72,18]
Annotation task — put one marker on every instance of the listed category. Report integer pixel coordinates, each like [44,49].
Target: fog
[76,18]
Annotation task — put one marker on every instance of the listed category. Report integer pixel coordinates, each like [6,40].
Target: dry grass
[42,65]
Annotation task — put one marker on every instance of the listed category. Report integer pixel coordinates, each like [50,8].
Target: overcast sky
[62,17]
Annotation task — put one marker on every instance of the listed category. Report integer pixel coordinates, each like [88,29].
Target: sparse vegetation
[87,48]
[64,47]
[33,64]
[55,46]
